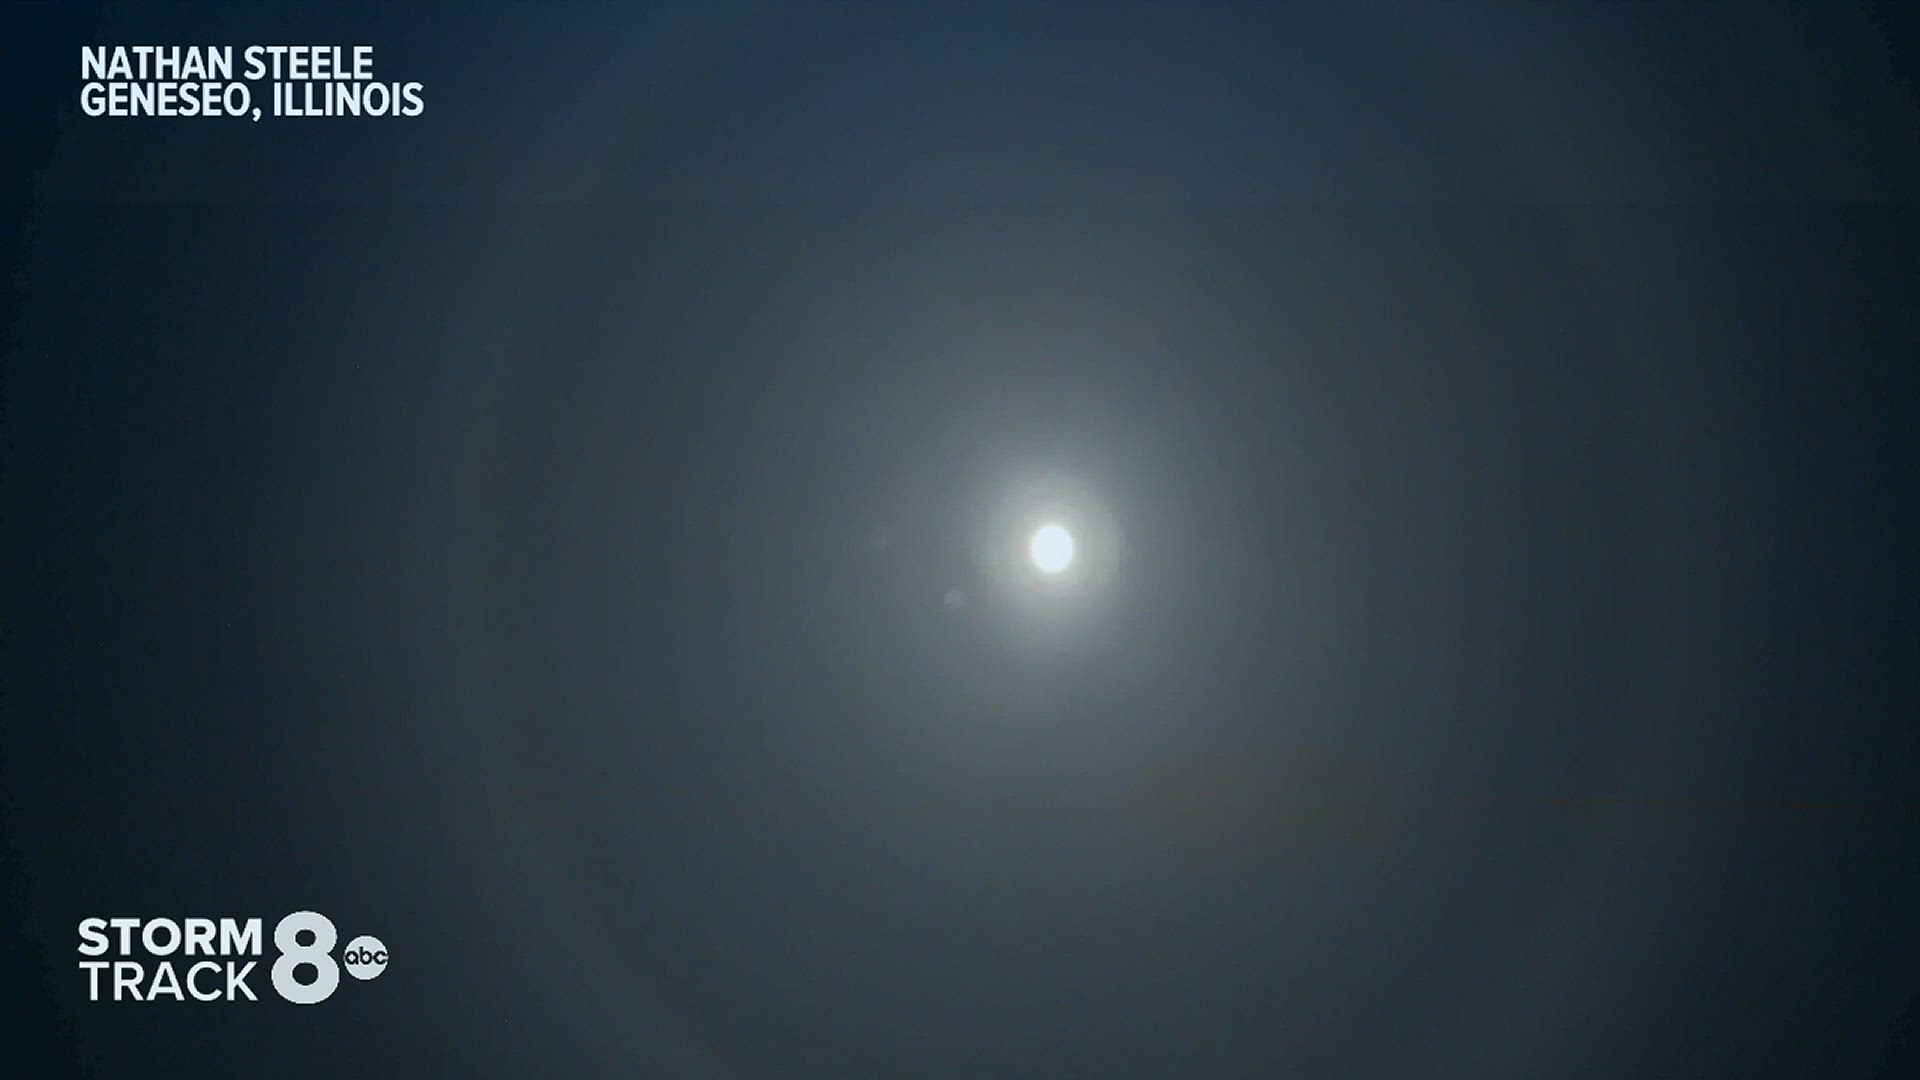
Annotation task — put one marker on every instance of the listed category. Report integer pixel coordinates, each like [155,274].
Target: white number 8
[293,954]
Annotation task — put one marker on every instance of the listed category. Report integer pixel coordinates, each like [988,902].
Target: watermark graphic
[208,960]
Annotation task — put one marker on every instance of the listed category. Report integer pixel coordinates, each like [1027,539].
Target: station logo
[206,960]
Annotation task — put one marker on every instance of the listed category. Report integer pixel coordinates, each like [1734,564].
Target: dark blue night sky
[528,532]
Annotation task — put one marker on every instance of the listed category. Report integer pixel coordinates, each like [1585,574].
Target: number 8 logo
[292,954]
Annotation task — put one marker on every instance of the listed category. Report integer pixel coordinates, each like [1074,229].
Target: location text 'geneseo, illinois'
[220,80]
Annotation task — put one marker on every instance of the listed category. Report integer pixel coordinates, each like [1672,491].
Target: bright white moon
[1051,548]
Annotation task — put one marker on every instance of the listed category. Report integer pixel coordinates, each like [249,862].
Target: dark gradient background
[521,532]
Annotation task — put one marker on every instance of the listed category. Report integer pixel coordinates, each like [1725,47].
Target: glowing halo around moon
[1051,549]
[1047,558]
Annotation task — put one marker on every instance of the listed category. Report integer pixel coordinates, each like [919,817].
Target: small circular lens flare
[1051,549]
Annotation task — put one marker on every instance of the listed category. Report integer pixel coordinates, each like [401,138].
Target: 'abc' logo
[365,957]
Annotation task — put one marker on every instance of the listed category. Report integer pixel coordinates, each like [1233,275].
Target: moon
[1051,549]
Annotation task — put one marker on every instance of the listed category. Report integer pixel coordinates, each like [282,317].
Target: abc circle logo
[365,957]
